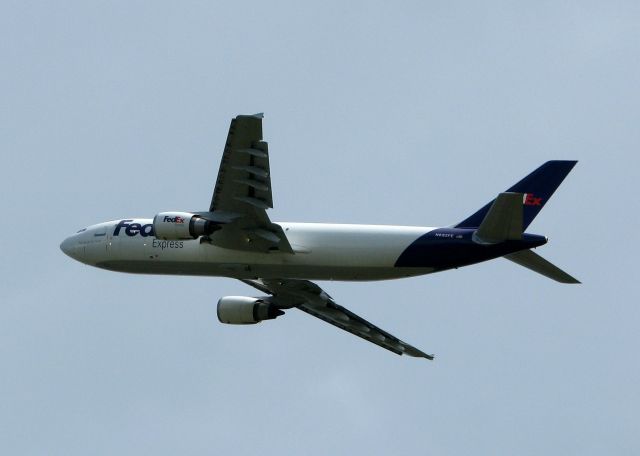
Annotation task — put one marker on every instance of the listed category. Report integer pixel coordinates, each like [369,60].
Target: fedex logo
[133,229]
[176,219]
[531,200]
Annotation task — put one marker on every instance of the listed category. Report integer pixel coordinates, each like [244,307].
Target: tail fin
[537,187]
[536,263]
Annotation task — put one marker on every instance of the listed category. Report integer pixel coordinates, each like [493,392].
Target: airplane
[235,238]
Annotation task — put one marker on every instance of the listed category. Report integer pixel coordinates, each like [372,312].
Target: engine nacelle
[242,310]
[182,225]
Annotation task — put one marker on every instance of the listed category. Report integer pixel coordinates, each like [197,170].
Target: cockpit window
[80,231]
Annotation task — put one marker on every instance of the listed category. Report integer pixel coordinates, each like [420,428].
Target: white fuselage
[322,252]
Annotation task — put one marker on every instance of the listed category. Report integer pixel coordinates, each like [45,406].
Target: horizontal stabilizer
[503,220]
[536,263]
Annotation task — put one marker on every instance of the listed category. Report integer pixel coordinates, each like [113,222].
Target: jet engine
[242,310]
[182,225]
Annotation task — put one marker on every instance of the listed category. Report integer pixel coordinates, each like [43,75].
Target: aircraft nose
[67,246]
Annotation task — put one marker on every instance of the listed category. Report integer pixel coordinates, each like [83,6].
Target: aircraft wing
[310,298]
[242,193]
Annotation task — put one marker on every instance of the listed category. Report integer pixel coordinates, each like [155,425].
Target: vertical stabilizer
[537,187]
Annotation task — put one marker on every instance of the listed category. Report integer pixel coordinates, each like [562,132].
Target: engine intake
[243,310]
[182,225]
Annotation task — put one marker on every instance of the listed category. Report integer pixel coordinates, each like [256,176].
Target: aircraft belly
[265,271]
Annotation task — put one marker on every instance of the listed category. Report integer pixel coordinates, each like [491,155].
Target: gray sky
[415,114]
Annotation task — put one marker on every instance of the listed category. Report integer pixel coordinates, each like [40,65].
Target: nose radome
[67,247]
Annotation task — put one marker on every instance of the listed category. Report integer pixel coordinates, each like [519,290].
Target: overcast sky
[412,114]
